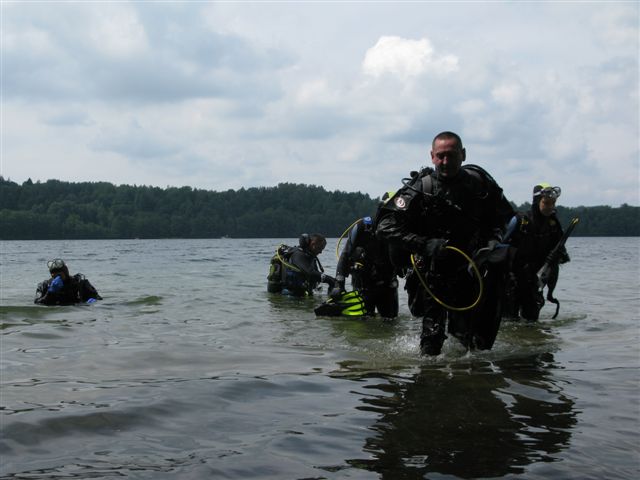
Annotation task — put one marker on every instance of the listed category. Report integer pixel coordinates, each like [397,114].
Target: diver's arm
[394,227]
[49,291]
[343,269]
[41,293]
[306,263]
[503,212]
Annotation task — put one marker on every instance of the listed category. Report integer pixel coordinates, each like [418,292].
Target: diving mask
[549,192]
[55,264]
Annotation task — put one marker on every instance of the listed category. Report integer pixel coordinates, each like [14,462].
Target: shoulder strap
[489,187]
[479,172]
[427,183]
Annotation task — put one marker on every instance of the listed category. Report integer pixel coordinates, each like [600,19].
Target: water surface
[189,369]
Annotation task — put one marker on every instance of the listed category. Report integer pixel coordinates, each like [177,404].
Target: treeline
[64,210]
[95,210]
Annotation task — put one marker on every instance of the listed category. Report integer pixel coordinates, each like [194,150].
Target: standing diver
[365,257]
[441,218]
[533,237]
[297,271]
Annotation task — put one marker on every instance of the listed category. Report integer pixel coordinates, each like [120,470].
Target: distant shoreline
[102,211]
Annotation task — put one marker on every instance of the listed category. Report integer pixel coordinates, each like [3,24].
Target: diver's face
[447,157]
[317,246]
[547,206]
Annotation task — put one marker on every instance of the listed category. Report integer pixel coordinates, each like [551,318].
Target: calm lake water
[188,369]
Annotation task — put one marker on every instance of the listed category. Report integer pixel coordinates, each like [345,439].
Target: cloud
[115,31]
[406,58]
[68,118]
[617,25]
[227,94]
[133,141]
[116,52]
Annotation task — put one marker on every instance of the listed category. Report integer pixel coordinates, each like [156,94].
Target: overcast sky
[346,95]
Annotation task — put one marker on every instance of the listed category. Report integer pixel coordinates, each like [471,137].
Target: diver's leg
[387,302]
[487,317]
[531,299]
[433,326]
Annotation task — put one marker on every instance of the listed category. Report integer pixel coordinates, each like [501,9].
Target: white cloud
[316,92]
[406,58]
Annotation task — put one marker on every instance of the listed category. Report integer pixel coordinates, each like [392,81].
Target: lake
[189,369]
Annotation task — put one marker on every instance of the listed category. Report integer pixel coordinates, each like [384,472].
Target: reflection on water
[486,419]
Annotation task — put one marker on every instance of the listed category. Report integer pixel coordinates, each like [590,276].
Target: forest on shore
[100,210]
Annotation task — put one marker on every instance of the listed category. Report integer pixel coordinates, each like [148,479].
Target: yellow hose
[342,236]
[449,307]
[286,264]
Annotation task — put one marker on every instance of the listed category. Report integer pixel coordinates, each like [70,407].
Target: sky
[343,95]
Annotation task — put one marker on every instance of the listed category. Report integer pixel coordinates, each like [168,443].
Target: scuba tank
[277,271]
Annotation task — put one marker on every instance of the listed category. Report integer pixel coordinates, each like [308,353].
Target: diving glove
[338,288]
[492,244]
[328,279]
[435,250]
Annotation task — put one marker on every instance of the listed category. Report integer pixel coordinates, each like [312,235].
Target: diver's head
[447,154]
[544,199]
[317,243]
[58,267]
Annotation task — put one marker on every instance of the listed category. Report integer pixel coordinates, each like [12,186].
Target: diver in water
[297,270]
[533,236]
[366,258]
[63,289]
[441,218]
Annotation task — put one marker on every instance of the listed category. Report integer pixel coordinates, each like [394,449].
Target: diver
[297,271]
[365,257]
[64,289]
[441,218]
[533,236]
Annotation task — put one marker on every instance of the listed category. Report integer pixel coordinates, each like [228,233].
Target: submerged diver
[366,258]
[297,270]
[63,289]
[533,237]
[441,218]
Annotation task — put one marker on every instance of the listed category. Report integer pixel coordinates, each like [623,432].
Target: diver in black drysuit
[307,272]
[64,289]
[449,207]
[534,235]
[366,258]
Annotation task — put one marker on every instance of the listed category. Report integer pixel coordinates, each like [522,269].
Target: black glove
[552,258]
[338,288]
[336,292]
[328,279]
[435,250]
[434,247]
[492,244]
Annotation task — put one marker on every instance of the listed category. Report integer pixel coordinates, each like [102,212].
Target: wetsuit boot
[432,336]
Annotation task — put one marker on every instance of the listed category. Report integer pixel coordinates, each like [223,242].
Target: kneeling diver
[297,271]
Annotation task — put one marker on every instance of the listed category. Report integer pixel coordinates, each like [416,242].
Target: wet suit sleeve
[396,221]
[343,269]
[562,256]
[41,292]
[56,285]
[503,212]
